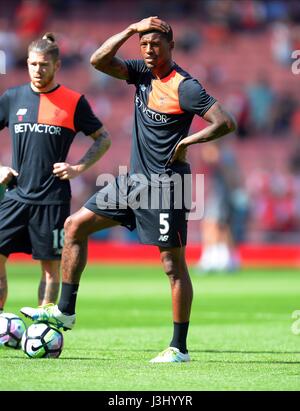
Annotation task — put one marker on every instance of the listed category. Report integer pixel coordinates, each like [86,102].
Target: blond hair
[46,45]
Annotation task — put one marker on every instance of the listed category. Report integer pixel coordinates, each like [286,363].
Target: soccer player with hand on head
[166,100]
[43,118]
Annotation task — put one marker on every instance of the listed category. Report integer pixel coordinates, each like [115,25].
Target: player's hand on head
[6,174]
[64,171]
[151,23]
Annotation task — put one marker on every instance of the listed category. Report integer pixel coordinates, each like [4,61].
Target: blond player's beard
[44,84]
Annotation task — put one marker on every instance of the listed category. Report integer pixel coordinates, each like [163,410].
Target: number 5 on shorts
[164,224]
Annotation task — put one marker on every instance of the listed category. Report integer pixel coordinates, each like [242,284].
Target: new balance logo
[163,238]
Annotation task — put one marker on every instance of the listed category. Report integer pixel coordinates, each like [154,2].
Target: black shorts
[156,211]
[32,229]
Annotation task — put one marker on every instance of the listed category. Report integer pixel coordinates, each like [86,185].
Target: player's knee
[175,268]
[72,228]
[170,268]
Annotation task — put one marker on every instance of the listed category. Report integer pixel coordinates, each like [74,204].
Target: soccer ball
[12,329]
[42,340]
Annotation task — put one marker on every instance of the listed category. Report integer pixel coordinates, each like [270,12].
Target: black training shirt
[164,110]
[42,127]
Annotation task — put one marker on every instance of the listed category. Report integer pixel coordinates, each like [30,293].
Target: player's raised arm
[101,144]
[104,58]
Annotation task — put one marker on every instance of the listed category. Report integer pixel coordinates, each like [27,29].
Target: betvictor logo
[37,128]
[157,117]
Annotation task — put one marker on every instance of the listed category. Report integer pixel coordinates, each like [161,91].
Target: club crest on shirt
[20,113]
[163,100]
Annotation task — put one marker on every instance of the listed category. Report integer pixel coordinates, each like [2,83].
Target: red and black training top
[42,127]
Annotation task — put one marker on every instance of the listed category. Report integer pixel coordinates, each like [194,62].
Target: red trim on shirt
[58,108]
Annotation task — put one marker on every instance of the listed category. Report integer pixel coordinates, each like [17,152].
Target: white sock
[207,260]
[222,257]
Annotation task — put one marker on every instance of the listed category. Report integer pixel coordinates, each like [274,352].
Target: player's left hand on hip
[179,153]
[65,171]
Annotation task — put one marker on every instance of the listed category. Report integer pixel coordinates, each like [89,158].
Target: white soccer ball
[12,329]
[42,340]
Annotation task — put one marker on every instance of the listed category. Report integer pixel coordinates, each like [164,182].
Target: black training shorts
[155,210]
[32,229]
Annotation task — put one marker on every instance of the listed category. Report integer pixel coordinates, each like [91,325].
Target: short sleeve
[135,69]
[193,97]
[84,118]
[4,110]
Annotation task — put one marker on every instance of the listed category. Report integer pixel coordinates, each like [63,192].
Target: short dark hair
[46,45]
[168,35]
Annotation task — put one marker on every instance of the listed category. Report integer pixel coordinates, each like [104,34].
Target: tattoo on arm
[117,68]
[105,60]
[97,150]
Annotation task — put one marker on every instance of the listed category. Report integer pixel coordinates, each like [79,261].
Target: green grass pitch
[240,335]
